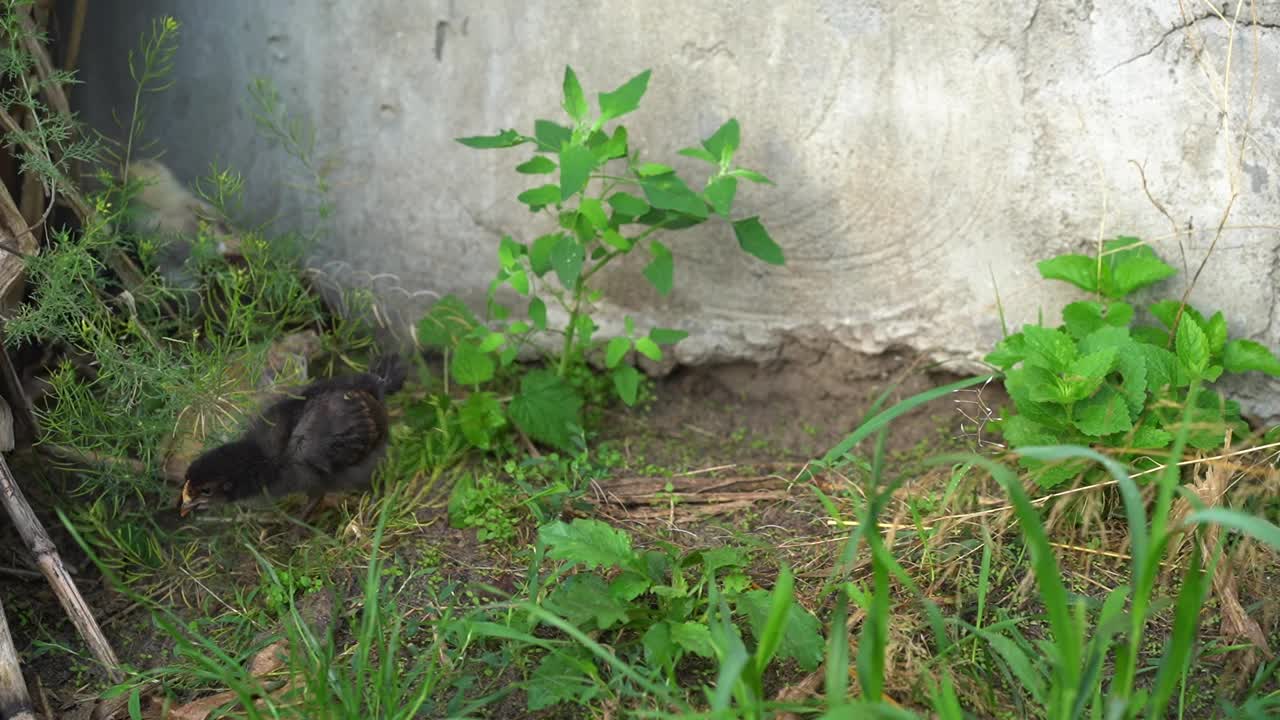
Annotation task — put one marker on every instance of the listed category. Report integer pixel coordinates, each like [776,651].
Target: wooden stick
[44,65]
[121,264]
[26,428]
[77,31]
[15,703]
[50,564]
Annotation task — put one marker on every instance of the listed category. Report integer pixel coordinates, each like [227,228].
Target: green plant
[601,215]
[1099,379]
[489,506]
[659,607]
[51,145]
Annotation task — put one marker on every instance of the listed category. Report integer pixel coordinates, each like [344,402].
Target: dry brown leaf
[266,661]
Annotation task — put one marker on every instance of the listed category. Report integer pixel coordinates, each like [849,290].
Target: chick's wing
[338,429]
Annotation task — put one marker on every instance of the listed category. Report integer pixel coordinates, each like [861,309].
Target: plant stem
[569,332]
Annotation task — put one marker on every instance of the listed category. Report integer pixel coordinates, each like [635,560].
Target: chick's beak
[187,503]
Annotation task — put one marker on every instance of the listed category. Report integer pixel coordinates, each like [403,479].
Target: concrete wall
[925,151]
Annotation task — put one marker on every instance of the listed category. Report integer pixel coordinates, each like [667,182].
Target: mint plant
[1099,379]
[606,205]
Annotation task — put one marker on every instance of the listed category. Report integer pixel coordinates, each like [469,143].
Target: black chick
[327,438]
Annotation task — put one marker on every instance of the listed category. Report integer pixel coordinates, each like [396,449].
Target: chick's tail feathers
[391,371]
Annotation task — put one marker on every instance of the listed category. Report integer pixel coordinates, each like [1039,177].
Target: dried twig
[25,426]
[15,703]
[77,33]
[50,564]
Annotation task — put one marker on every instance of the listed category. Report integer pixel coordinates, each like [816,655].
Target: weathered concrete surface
[925,152]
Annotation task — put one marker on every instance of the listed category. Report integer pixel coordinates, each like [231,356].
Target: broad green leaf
[724,143]
[587,542]
[1095,365]
[538,313]
[1008,352]
[615,147]
[1150,437]
[549,410]
[1046,386]
[647,347]
[1087,373]
[1082,318]
[626,98]
[480,417]
[1021,431]
[541,196]
[653,169]
[659,649]
[1166,310]
[1079,270]
[1193,348]
[693,637]
[699,154]
[470,365]
[540,253]
[558,680]
[1020,383]
[626,381]
[509,251]
[567,257]
[593,210]
[519,281]
[750,175]
[755,240]
[551,137]
[1244,355]
[1130,361]
[714,559]
[1216,331]
[539,165]
[585,327]
[1162,366]
[1151,335]
[575,103]
[1048,348]
[492,341]
[504,139]
[1103,414]
[576,164]
[1119,314]
[629,585]
[720,194]
[617,349]
[616,240]
[801,638]
[668,192]
[584,600]
[661,268]
[446,323]
[669,219]
[583,229]
[667,336]
[627,204]
[1131,267]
